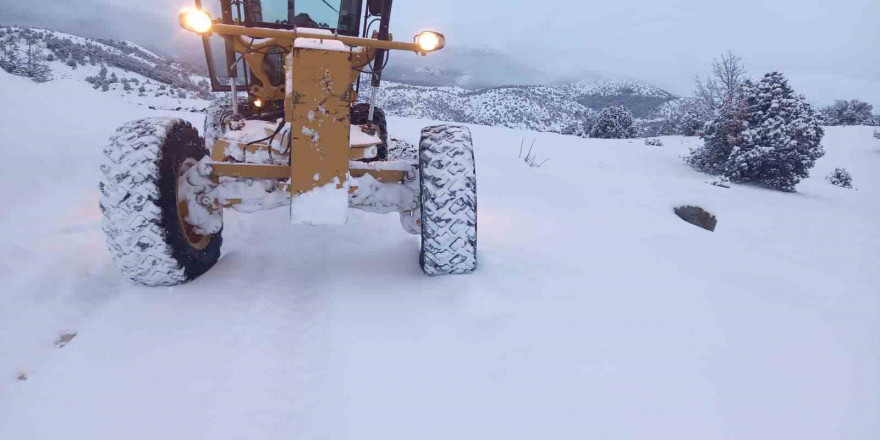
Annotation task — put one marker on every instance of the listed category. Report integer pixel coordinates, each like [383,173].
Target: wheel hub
[195,240]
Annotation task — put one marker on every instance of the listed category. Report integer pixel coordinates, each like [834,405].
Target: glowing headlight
[430,41]
[195,20]
[258,103]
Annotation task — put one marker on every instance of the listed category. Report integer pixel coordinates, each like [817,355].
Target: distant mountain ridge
[461,85]
[562,108]
[147,78]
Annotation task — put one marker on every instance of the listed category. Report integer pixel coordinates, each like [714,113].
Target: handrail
[292,34]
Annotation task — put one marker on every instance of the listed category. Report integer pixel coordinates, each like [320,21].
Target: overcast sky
[827,48]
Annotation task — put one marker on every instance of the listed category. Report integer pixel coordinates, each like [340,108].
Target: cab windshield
[342,15]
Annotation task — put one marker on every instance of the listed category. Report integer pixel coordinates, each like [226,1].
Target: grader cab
[297,127]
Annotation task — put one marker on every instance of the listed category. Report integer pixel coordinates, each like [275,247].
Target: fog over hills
[463,67]
[453,88]
[824,48]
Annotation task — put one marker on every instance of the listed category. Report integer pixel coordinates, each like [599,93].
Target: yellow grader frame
[312,159]
[317,102]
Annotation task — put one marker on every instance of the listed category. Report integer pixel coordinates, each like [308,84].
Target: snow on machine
[300,140]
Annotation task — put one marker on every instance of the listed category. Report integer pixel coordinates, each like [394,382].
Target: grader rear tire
[448,200]
[151,243]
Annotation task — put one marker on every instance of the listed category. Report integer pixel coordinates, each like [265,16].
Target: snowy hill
[536,108]
[561,108]
[455,84]
[594,313]
[599,91]
[604,86]
[119,68]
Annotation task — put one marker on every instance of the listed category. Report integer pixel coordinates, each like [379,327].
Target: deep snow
[595,312]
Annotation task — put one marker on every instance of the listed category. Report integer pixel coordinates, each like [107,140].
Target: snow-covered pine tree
[9,57]
[840,177]
[614,122]
[691,123]
[781,136]
[34,64]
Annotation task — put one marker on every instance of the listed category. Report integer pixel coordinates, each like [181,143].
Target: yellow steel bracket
[254,53]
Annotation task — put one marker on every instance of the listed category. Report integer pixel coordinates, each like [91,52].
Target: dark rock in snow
[697,216]
[64,339]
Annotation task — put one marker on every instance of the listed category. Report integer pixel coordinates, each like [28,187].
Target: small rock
[64,339]
[697,216]
[22,376]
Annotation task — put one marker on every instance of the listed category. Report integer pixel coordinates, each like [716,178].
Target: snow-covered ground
[595,312]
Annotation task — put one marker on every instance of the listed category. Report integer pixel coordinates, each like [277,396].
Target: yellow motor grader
[301,139]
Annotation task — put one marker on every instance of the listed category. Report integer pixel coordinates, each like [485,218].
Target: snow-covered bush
[582,127]
[852,112]
[574,129]
[840,177]
[770,136]
[721,181]
[615,122]
[876,134]
[781,139]
[682,120]
[653,142]
[101,81]
[689,123]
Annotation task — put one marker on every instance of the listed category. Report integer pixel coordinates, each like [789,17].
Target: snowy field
[595,312]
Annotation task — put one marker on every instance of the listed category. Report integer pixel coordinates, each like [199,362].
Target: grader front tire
[151,243]
[448,200]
